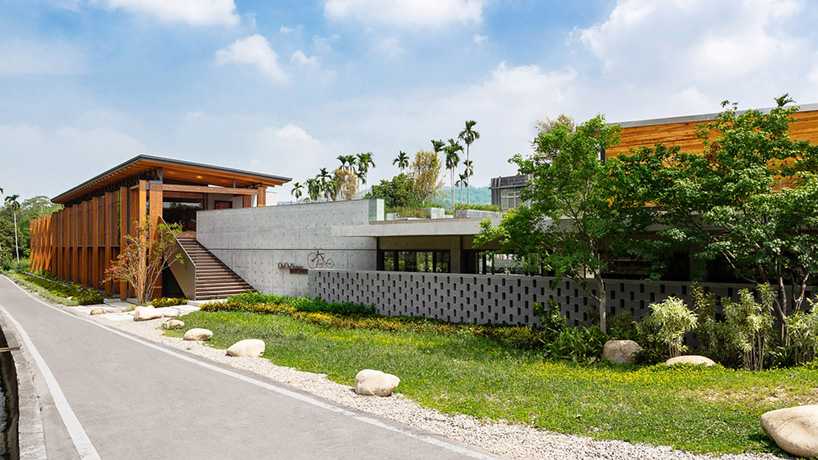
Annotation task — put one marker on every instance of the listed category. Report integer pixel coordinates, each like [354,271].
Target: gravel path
[510,441]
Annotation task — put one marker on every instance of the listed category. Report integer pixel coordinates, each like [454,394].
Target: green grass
[694,409]
[58,292]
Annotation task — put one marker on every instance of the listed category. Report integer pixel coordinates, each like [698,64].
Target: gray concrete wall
[254,241]
[495,299]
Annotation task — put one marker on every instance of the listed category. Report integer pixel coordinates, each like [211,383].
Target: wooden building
[78,243]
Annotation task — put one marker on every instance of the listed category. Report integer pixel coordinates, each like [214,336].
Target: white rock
[168,312]
[145,314]
[97,311]
[198,334]
[794,429]
[691,359]
[173,324]
[620,351]
[248,347]
[370,382]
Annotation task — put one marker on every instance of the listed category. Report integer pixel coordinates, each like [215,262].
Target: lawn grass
[695,409]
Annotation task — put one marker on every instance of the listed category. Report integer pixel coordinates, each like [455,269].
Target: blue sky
[284,87]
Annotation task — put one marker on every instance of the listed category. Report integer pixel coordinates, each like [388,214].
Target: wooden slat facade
[78,243]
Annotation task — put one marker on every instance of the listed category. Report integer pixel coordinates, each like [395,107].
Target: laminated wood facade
[79,242]
[681,131]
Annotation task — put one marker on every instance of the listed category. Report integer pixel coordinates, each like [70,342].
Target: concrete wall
[254,241]
[494,299]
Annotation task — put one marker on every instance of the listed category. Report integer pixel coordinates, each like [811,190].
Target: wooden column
[262,196]
[124,213]
[246,201]
[75,243]
[60,241]
[107,235]
[155,198]
[82,242]
[95,271]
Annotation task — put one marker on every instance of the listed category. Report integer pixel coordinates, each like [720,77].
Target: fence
[493,299]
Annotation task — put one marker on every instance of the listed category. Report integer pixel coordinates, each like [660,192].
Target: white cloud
[479,39]
[196,12]
[415,13]
[289,30]
[387,46]
[254,50]
[40,58]
[60,158]
[301,60]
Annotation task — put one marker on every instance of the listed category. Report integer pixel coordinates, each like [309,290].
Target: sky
[284,87]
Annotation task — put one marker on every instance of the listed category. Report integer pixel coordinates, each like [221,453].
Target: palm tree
[323,174]
[347,160]
[364,161]
[437,145]
[297,190]
[460,185]
[14,206]
[452,160]
[468,135]
[402,160]
[313,189]
[469,171]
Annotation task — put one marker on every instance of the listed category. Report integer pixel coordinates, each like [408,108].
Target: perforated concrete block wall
[492,299]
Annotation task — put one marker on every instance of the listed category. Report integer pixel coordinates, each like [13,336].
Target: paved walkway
[115,396]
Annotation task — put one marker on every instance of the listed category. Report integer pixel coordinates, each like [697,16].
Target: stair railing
[184,270]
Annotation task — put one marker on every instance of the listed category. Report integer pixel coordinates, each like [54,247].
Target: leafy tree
[452,160]
[468,136]
[364,162]
[346,182]
[14,207]
[425,175]
[297,190]
[141,261]
[313,189]
[570,227]
[750,199]
[397,192]
[402,160]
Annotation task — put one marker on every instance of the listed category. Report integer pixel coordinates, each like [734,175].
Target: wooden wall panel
[107,235]
[262,196]
[155,218]
[124,214]
[95,237]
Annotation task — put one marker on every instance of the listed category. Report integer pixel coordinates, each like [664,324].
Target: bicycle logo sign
[319,260]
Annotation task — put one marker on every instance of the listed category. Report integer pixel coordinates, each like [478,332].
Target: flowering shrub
[168,302]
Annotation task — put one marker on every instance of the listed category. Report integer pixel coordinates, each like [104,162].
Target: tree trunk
[468,178]
[781,311]
[16,244]
[603,302]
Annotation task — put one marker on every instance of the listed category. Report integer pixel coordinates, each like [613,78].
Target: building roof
[701,118]
[157,168]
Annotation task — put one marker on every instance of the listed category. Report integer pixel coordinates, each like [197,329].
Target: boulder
[620,351]
[794,429]
[173,324]
[97,311]
[145,314]
[248,347]
[370,382]
[168,312]
[198,334]
[696,360]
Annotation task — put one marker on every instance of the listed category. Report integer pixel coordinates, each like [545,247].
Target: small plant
[750,323]
[673,319]
[479,207]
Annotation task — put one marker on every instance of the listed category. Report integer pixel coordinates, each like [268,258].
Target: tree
[468,136]
[14,207]
[452,160]
[460,183]
[297,190]
[313,189]
[570,227]
[402,161]
[346,183]
[425,175]
[364,162]
[142,259]
[397,192]
[750,199]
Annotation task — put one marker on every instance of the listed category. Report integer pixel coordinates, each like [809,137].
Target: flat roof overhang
[167,168]
[425,227]
[701,118]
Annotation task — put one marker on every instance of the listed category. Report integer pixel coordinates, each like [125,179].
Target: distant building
[505,191]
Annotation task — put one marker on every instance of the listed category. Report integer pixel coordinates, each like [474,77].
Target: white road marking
[72,424]
[291,394]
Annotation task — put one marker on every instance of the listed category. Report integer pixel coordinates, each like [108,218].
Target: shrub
[673,319]
[479,207]
[168,302]
[803,333]
[68,294]
[750,323]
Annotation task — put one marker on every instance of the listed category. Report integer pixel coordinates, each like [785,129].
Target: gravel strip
[510,441]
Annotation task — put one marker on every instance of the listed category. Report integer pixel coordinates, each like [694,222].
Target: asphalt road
[114,396]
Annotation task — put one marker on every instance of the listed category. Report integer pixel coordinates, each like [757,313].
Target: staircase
[214,280]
